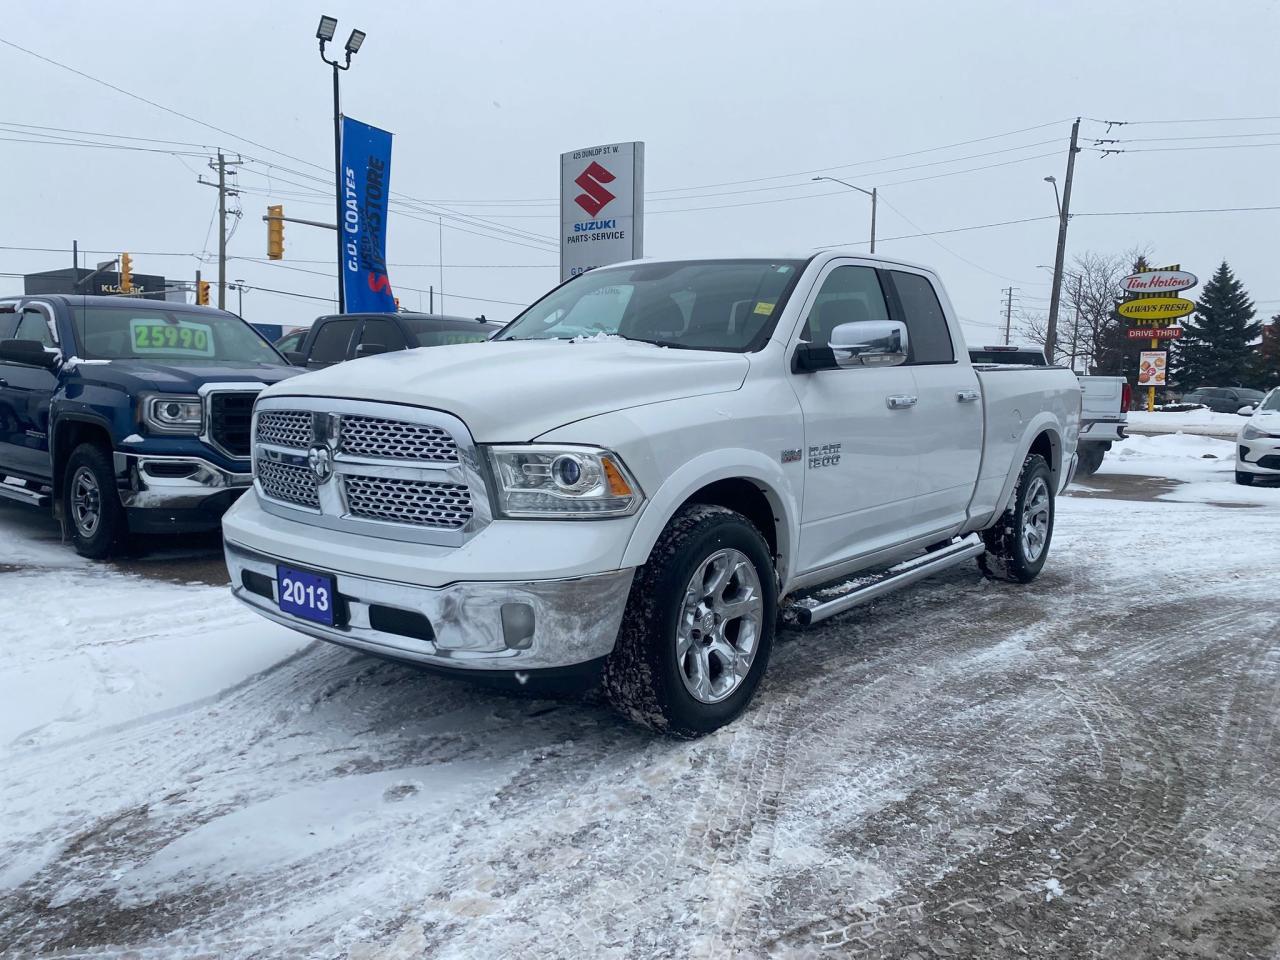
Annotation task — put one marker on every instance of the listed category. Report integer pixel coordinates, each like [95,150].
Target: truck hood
[178,378]
[514,390]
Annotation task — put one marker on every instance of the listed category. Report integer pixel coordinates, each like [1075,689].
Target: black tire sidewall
[1090,460]
[111,522]
[1024,569]
[1244,479]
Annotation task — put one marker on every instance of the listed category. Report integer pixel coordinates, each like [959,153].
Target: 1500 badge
[824,455]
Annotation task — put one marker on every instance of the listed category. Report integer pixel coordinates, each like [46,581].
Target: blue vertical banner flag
[366,188]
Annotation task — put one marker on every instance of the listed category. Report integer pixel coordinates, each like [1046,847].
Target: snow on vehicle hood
[514,390]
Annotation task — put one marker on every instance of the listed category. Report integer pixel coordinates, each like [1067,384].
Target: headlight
[1250,432]
[173,414]
[536,481]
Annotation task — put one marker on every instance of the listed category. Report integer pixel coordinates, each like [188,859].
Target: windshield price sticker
[181,337]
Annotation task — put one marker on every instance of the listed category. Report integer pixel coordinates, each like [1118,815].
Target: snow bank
[1200,421]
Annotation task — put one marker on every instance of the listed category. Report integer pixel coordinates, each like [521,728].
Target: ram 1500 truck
[127,415]
[630,479]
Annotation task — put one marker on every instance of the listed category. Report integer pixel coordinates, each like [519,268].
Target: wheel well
[744,497]
[70,434]
[1045,447]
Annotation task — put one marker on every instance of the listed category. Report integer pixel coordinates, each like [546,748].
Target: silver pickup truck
[642,468]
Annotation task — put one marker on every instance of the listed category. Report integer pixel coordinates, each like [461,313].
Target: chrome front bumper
[173,483]
[474,625]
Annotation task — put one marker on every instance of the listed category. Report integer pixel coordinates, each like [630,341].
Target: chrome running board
[23,495]
[849,593]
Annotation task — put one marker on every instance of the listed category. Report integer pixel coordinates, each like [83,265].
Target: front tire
[91,503]
[1244,479]
[1018,544]
[698,627]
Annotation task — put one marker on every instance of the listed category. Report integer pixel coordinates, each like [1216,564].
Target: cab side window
[33,326]
[332,342]
[927,334]
[382,333]
[848,295]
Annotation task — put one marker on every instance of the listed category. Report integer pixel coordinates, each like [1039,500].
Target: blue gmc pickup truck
[127,415]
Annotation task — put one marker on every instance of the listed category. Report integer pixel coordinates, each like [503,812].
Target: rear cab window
[928,337]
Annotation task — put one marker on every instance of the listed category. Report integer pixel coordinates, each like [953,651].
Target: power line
[1123,123]
[111,136]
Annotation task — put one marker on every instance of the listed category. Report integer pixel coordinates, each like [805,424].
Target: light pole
[324,33]
[240,290]
[870,193]
[1056,199]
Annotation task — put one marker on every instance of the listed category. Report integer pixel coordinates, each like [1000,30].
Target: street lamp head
[819,178]
[1051,179]
[354,41]
[328,26]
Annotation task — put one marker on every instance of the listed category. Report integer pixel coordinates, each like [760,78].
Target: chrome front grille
[379,437]
[376,469]
[418,502]
[285,428]
[289,482]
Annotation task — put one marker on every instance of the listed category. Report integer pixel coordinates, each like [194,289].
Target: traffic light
[275,232]
[202,292]
[126,273]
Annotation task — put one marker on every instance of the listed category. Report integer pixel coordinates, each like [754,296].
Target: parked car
[346,336]
[1024,356]
[656,454]
[1258,445]
[1223,399]
[127,415]
[1104,415]
[291,342]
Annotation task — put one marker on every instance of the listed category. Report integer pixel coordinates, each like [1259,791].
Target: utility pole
[431,302]
[221,165]
[1008,313]
[1051,334]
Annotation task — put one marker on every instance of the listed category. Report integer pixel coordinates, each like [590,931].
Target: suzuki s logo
[596,197]
[320,459]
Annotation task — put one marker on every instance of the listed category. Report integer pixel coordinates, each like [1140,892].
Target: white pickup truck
[633,478]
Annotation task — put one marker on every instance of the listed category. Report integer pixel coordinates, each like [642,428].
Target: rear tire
[1244,479]
[91,503]
[698,627]
[1018,544]
[1090,455]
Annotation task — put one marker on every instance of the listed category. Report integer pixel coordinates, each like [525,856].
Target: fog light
[517,625]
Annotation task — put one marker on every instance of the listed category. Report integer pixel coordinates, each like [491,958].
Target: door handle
[967,396]
[902,402]
[3,384]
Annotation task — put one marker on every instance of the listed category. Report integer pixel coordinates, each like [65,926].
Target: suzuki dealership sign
[601,206]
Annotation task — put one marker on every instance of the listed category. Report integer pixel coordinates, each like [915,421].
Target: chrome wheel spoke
[720,623]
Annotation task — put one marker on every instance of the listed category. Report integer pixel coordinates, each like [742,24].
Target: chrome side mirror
[870,343]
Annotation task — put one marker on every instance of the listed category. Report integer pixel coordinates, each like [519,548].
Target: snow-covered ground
[1203,422]
[1086,766]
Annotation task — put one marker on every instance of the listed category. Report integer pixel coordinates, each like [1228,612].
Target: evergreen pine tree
[1217,346]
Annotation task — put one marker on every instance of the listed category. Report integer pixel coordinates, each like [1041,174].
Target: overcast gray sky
[482,99]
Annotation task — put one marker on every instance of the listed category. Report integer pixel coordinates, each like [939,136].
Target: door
[860,453]
[25,395]
[332,343]
[947,420]
[379,336]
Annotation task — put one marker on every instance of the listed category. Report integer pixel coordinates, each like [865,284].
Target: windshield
[697,304]
[1272,403]
[141,332]
[439,333]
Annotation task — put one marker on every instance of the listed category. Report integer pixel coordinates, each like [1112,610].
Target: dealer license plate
[307,595]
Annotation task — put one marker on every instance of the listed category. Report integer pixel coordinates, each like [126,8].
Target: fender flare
[727,464]
[56,441]
[1042,423]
